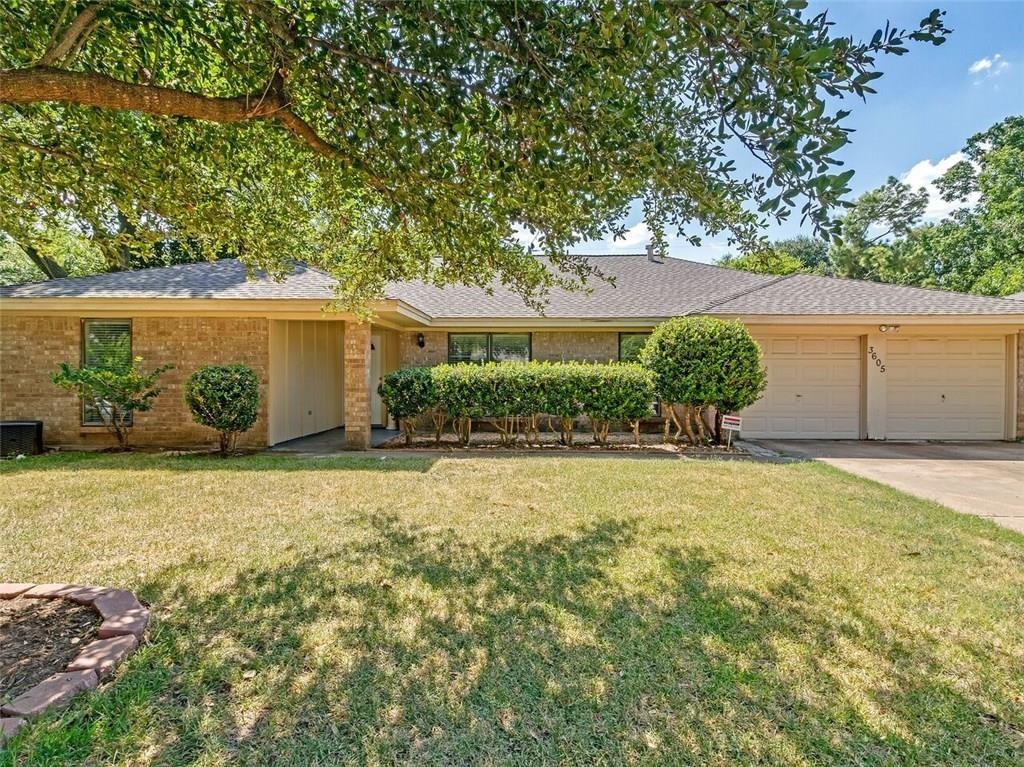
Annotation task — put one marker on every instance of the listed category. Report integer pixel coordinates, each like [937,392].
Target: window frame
[656,410]
[81,361]
[624,333]
[490,345]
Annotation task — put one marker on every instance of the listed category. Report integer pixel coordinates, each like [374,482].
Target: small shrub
[562,389]
[617,392]
[702,361]
[116,390]
[459,395]
[506,392]
[225,398]
[408,394]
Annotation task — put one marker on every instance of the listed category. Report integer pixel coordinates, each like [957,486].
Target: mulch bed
[39,638]
[582,442]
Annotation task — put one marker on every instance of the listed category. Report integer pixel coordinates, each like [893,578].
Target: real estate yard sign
[731,423]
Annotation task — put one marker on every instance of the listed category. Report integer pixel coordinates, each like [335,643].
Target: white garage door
[945,388]
[813,389]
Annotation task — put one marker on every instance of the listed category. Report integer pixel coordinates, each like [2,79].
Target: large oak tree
[384,139]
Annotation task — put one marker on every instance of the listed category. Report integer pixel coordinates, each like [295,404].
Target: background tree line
[978,248]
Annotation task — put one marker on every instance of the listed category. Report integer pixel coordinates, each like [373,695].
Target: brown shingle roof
[227,278]
[640,289]
[811,294]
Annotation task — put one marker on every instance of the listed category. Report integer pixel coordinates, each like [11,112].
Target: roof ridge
[739,294]
[100,275]
[929,288]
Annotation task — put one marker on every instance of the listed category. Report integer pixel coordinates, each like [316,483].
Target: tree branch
[80,26]
[26,86]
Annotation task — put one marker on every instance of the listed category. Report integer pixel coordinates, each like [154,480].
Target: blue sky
[928,103]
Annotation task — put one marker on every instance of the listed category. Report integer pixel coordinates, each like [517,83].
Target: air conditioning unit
[21,437]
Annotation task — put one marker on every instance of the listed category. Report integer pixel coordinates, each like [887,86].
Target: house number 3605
[877,360]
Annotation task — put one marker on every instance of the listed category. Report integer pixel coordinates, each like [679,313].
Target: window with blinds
[489,347]
[105,344]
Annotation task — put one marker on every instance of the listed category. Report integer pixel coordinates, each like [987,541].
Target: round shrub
[408,393]
[701,361]
[225,398]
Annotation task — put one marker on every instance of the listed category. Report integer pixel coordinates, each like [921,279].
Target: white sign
[732,423]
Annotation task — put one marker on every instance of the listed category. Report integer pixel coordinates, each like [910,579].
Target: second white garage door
[813,392]
[945,388]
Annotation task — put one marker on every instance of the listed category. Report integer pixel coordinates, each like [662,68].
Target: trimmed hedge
[409,393]
[514,396]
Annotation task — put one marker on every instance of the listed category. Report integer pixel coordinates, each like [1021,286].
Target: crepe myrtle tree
[225,398]
[116,391]
[384,140]
[701,362]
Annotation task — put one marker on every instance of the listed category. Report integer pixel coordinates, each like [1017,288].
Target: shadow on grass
[420,648]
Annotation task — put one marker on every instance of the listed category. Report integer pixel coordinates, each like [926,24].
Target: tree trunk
[698,417]
[439,419]
[43,83]
[688,425]
[45,264]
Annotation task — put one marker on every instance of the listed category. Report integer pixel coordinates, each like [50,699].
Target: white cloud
[636,236]
[988,67]
[923,174]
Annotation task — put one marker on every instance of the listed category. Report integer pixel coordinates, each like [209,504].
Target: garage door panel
[945,388]
[813,389]
[777,346]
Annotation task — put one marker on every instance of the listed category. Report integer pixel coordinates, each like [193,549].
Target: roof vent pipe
[652,256]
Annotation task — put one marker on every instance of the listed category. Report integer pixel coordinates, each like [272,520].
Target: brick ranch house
[846,359]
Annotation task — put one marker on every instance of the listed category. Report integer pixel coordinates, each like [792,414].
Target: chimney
[653,257]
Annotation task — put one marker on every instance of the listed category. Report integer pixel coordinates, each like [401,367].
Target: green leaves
[115,391]
[422,137]
[499,390]
[225,398]
[705,361]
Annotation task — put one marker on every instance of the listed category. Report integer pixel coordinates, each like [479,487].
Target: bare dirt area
[38,638]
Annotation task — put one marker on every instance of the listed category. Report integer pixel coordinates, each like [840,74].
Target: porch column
[357,389]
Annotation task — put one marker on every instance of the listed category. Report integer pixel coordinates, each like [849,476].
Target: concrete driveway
[981,478]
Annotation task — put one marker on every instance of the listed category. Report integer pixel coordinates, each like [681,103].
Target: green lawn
[525,611]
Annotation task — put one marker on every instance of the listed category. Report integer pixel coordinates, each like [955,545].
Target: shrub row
[515,396]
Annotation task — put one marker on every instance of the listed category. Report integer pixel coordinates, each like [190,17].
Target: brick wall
[583,346]
[434,351]
[556,346]
[357,393]
[32,347]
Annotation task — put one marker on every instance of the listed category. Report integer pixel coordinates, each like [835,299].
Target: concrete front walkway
[330,442]
[981,478]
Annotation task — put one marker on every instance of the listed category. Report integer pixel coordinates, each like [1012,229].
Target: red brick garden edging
[124,622]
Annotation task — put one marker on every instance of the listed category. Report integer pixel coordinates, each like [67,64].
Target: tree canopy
[978,248]
[383,140]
